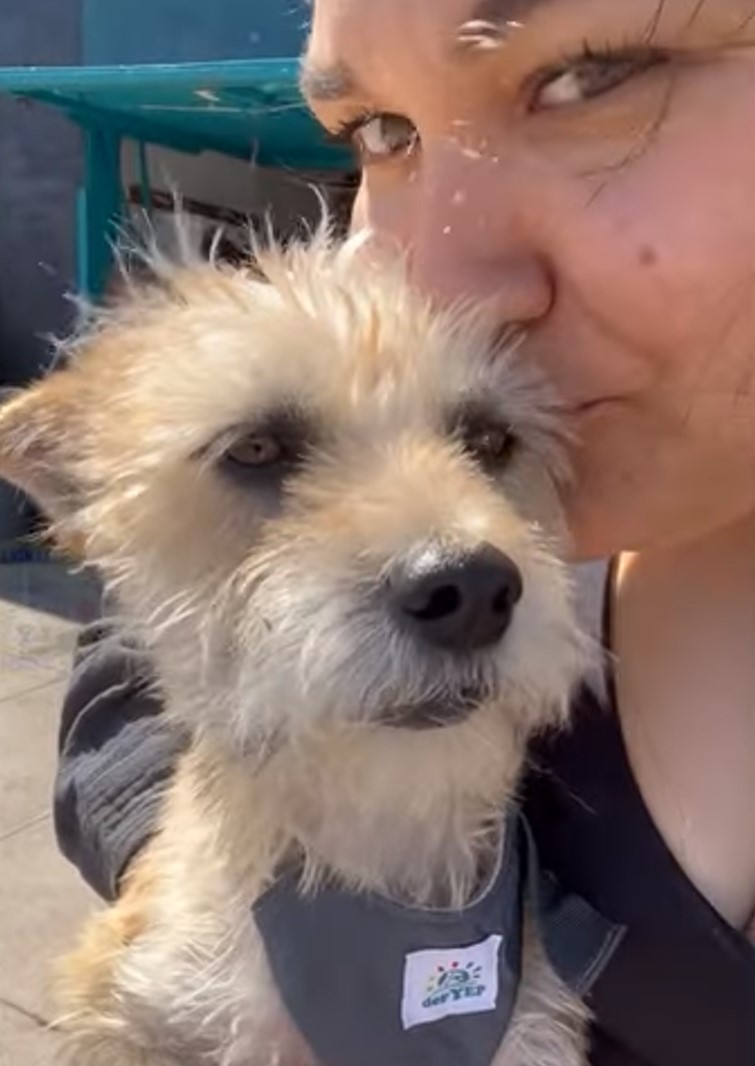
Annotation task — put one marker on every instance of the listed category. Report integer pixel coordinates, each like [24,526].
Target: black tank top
[680,990]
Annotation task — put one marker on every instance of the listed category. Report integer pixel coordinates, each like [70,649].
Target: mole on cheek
[648,256]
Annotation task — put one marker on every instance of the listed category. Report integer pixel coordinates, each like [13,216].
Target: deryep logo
[443,982]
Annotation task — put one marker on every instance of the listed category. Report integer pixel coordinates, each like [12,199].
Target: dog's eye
[487,440]
[255,450]
[492,445]
[275,445]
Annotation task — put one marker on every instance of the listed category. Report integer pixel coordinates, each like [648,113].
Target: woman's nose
[468,237]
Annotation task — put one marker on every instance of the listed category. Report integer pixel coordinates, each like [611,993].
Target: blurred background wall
[39,171]
[40,162]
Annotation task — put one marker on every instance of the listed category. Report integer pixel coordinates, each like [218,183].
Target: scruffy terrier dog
[330,513]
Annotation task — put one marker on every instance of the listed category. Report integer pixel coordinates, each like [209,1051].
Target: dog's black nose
[459,602]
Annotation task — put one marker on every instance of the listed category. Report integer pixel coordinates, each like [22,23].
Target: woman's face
[589,166]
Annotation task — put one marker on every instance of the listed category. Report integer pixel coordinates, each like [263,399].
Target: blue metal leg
[99,210]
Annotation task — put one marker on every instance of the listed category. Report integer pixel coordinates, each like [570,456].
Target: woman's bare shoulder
[685,679]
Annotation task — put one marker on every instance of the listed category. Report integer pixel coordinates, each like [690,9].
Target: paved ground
[42,899]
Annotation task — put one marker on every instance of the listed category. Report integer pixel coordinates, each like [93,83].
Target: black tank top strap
[680,990]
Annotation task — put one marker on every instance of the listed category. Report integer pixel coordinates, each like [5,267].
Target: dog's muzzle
[457,603]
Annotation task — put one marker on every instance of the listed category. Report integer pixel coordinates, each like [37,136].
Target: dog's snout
[458,602]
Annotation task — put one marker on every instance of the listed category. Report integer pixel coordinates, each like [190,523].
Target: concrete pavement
[42,899]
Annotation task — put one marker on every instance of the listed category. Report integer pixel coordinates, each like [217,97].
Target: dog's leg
[173,980]
[175,974]
[549,1027]
[92,1019]
[107,1052]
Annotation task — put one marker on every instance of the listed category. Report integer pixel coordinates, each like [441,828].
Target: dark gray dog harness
[369,982]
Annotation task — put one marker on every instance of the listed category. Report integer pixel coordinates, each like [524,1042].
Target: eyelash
[638,58]
[644,57]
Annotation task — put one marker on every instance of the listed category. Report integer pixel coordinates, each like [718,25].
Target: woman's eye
[384,136]
[592,75]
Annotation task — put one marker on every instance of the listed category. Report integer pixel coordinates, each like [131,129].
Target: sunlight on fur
[255,467]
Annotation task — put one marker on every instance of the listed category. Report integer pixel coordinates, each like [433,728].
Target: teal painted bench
[248,108]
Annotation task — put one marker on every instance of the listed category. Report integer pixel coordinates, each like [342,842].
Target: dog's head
[323,503]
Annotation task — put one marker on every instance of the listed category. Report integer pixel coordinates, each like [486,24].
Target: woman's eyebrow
[488,24]
[326,84]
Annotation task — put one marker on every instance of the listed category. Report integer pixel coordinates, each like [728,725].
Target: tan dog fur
[261,606]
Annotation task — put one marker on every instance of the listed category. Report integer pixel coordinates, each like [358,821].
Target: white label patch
[440,982]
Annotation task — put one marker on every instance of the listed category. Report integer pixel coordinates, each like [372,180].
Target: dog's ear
[38,441]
